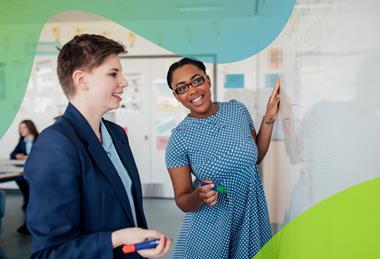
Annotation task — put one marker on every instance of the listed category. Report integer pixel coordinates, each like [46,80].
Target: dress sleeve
[176,155]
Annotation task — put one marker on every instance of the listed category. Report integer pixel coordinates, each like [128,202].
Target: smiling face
[196,99]
[24,131]
[105,85]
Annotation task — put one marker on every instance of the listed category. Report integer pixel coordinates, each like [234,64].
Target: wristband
[269,122]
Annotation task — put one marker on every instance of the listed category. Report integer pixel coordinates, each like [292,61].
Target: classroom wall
[44,99]
[325,139]
[45,59]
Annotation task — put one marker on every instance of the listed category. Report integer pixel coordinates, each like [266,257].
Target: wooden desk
[11,170]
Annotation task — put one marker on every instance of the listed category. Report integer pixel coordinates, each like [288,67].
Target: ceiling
[76,16]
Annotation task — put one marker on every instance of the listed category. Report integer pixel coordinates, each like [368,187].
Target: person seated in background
[28,135]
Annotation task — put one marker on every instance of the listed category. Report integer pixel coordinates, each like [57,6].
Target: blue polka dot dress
[222,149]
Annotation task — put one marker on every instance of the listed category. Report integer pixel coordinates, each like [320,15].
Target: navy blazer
[20,148]
[77,198]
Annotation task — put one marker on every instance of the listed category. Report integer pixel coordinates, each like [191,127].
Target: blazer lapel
[123,149]
[99,156]
[104,163]
[126,157]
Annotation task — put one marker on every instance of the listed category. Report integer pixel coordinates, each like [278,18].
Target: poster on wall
[166,104]
[45,76]
[161,142]
[133,95]
[160,86]
[275,58]
[270,79]
[165,125]
[234,81]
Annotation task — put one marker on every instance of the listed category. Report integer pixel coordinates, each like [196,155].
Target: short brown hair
[86,52]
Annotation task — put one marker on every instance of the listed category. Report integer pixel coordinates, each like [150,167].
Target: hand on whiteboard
[273,104]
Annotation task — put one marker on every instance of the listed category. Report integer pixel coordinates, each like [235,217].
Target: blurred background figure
[28,135]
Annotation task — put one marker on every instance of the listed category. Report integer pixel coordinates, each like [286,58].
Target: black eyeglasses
[197,81]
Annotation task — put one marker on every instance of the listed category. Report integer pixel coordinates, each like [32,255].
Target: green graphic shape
[231,30]
[344,226]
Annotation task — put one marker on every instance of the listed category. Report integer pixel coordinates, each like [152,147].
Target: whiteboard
[330,107]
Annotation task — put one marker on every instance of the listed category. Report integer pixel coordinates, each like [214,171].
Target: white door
[134,114]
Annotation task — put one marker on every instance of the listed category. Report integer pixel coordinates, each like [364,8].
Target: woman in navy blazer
[28,135]
[83,204]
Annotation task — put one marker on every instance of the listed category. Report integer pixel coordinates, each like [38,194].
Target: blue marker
[140,246]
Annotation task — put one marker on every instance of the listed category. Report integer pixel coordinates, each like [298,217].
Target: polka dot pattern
[221,148]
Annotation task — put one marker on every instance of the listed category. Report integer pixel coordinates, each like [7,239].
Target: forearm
[265,134]
[14,153]
[263,138]
[189,202]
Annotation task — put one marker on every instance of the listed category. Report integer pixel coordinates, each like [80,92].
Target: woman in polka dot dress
[218,144]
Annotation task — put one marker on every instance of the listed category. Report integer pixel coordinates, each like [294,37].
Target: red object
[129,249]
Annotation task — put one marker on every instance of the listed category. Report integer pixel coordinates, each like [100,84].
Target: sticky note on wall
[234,81]
[271,79]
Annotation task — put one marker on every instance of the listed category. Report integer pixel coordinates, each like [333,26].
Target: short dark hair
[181,63]
[86,52]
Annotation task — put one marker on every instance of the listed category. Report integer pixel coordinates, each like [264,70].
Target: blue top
[120,168]
[28,145]
[222,149]
[23,147]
